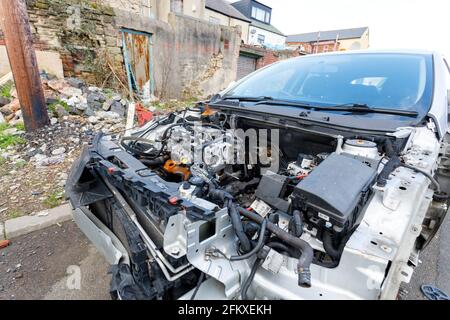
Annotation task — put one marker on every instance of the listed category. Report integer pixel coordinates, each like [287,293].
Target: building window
[214,20]
[325,48]
[261,39]
[176,6]
[260,14]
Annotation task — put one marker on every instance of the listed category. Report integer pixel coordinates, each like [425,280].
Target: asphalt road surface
[55,263]
[435,267]
[60,263]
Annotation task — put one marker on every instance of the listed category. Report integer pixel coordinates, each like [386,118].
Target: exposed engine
[319,191]
[230,207]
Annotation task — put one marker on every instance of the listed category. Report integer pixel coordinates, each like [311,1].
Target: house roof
[328,35]
[246,3]
[225,8]
[265,26]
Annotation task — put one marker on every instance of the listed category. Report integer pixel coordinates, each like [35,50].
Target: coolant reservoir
[362,148]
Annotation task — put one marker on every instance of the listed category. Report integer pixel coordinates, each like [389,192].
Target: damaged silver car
[319,177]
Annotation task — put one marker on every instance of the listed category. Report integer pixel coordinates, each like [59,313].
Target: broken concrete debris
[70,97]
[35,168]
[40,160]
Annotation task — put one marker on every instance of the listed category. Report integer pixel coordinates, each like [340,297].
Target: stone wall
[144,7]
[191,58]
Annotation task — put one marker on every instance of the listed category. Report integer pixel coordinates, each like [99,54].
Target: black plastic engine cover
[334,189]
[271,190]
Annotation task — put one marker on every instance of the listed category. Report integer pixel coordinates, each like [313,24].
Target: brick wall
[78,30]
[323,46]
[271,56]
[192,57]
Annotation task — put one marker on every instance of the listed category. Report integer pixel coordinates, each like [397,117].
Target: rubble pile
[34,166]
[104,108]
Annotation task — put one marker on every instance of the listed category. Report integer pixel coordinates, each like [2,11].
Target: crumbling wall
[207,56]
[82,32]
[145,7]
[191,58]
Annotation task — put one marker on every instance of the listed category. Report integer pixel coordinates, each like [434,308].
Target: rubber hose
[197,287]
[250,278]
[307,252]
[153,162]
[236,221]
[388,168]
[282,248]
[426,174]
[298,223]
[329,247]
[258,246]
[238,227]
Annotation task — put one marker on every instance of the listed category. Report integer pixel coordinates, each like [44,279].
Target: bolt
[175,251]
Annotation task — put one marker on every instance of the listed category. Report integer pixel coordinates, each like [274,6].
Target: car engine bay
[201,216]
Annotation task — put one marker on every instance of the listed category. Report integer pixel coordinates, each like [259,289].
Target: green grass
[7,140]
[54,199]
[52,106]
[5,90]
[10,140]
[20,126]
[4,126]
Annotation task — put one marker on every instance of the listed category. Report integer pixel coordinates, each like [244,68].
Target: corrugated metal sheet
[137,54]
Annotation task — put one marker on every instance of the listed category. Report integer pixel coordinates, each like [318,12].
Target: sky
[393,24]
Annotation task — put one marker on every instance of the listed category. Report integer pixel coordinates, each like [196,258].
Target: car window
[396,81]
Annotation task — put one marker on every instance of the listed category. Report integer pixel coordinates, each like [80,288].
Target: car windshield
[378,80]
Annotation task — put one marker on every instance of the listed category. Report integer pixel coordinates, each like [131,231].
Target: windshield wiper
[364,108]
[351,107]
[288,103]
[247,99]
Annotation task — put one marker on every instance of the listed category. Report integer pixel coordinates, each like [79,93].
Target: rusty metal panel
[137,54]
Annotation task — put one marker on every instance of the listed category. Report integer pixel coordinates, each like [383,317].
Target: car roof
[380,51]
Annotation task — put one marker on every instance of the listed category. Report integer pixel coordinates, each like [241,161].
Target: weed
[54,199]
[10,140]
[4,126]
[5,90]
[52,106]
[109,93]
[7,140]
[20,126]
